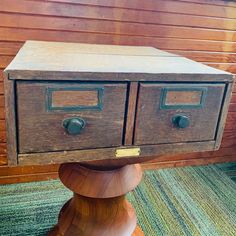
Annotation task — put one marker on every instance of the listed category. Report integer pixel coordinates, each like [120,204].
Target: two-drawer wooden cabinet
[97,110]
[81,102]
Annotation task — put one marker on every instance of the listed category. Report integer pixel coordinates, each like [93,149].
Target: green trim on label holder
[164,92]
[98,107]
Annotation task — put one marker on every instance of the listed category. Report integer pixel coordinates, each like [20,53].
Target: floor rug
[169,202]
[229,169]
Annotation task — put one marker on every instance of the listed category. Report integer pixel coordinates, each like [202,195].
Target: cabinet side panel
[223,116]
[9,89]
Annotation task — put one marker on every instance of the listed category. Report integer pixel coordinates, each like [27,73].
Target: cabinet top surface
[92,58]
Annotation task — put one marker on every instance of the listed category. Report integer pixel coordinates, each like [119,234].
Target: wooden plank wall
[203,30]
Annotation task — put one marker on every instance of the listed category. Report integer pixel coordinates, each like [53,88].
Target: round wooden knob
[181,121]
[74,125]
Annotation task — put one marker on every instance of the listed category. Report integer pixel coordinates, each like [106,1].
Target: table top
[90,58]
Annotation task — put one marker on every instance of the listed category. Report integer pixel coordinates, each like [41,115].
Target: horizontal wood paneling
[10,175]
[202,30]
[207,56]
[110,27]
[229,3]
[5,60]
[8,47]
[123,14]
[230,67]
[191,7]
[185,162]
[161,43]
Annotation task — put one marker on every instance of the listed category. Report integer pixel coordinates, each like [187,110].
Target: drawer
[173,113]
[67,116]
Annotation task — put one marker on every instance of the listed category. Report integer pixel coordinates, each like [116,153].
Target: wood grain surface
[9,86]
[202,30]
[183,97]
[154,123]
[42,129]
[71,98]
[51,57]
[98,206]
[100,183]
[108,155]
[133,93]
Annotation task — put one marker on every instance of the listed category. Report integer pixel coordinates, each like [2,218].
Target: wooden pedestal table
[99,207]
[92,113]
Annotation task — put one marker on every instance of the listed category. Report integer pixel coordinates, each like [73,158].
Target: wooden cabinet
[78,102]
[97,108]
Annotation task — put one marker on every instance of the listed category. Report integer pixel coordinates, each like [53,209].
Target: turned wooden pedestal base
[99,207]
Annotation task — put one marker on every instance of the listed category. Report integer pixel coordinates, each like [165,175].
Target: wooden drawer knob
[74,125]
[181,121]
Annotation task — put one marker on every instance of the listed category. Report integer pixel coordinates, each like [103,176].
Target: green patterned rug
[229,169]
[169,202]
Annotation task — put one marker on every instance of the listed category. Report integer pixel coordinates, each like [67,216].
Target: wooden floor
[202,30]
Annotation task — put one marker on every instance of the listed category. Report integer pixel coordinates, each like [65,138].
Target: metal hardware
[181,121]
[74,125]
[126,152]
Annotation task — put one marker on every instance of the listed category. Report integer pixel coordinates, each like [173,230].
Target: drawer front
[172,113]
[69,116]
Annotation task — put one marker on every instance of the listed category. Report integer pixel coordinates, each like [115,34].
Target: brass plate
[126,152]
